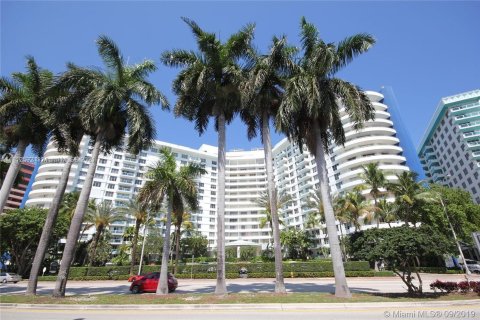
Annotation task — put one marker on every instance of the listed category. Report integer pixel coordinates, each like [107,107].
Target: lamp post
[467,271]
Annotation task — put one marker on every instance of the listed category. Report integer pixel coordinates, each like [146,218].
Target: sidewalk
[475,304]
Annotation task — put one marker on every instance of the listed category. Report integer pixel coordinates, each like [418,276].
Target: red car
[149,283]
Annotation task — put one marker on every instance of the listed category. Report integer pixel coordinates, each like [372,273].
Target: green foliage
[153,246]
[296,242]
[195,244]
[101,253]
[23,106]
[400,248]
[464,214]
[122,257]
[21,230]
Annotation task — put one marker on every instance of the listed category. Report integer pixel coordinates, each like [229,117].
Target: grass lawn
[231,298]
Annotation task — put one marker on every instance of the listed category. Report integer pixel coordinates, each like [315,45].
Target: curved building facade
[120,175]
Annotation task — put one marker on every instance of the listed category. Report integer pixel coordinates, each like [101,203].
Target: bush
[315,266]
[439,270]
[444,286]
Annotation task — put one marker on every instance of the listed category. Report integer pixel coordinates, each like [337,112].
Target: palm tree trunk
[343,242]
[341,287]
[221,287]
[91,259]
[375,204]
[134,245]
[162,288]
[177,248]
[76,224]
[12,173]
[47,228]
[272,195]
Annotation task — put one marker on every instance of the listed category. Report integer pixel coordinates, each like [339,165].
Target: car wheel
[4,281]
[136,289]
[171,290]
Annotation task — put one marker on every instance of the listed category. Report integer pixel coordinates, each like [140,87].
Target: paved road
[372,285]
[356,312]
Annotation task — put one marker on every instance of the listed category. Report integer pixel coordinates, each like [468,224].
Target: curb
[269,306]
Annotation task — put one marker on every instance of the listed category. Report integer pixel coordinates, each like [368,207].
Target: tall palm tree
[310,113]
[111,106]
[67,132]
[281,200]
[262,94]
[22,102]
[139,212]
[406,190]
[101,218]
[176,187]
[375,180]
[207,86]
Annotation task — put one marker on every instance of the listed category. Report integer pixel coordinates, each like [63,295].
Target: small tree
[196,244]
[21,230]
[297,243]
[399,248]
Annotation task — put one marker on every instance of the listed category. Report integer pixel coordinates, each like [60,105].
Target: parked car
[149,283]
[9,277]
[472,265]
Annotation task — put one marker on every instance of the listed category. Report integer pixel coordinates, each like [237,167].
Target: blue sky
[425,50]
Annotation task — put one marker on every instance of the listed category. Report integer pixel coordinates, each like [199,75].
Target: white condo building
[119,175]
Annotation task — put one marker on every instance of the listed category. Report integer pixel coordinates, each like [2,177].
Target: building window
[111,186]
[103,161]
[97,184]
[113,178]
[117,156]
[109,194]
[100,168]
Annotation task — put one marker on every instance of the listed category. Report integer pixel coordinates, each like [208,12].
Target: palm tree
[311,112]
[262,94]
[356,208]
[406,191]
[207,87]
[101,218]
[111,106]
[139,212]
[374,179]
[176,187]
[264,201]
[67,133]
[387,211]
[317,215]
[22,103]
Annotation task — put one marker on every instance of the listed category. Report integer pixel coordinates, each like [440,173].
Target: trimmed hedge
[439,270]
[314,266]
[230,275]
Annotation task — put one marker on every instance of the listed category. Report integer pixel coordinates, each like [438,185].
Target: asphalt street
[370,285]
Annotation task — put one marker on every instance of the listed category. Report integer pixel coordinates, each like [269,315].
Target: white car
[473,266]
[9,277]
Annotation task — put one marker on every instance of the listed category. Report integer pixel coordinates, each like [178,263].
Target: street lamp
[467,271]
